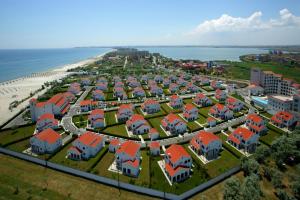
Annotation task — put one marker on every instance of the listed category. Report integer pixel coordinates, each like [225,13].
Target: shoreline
[20,88]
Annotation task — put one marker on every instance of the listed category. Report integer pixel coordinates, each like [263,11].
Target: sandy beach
[18,89]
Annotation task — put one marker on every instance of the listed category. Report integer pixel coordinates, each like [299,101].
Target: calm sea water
[204,53]
[16,63]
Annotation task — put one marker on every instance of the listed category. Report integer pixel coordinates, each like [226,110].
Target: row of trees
[284,150]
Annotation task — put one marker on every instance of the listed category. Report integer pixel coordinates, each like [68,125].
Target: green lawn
[267,115]
[216,167]
[19,146]
[12,135]
[80,121]
[168,109]
[191,125]
[84,165]
[118,130]
[269,137]
[161,112]
[228,146]
[225,162]
[235,95]
[143,178]
[189,100]
[201,119]
[159,181]
[241,70]
[110,117]
[208,88]
[166,91]
[155,123]
[204,111]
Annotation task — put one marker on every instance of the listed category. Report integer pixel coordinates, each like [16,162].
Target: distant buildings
[256,124]
[202,100]
[125,111]
[284,94]
[137,124]
[221,111]
[190,112]
[57,105]
[150,106]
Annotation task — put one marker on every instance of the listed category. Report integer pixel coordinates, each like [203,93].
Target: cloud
[227,23]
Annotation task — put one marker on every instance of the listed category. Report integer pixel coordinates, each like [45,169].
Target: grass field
[143,179]
[22,180]
[80,120]
[117,130]
[19,146]
[168,109]
[269,137]
[83,165]
[155,123]
[158,179]
[204,111]
[161,112]
[241,70]
[12,135]
[110,118]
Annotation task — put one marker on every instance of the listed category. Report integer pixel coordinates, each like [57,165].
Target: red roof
[206,137]
[194,143]
[254,117]
[189,106]
[50,136]
[154,145]
[90,139]
[126,106]
[55,98]
[97,112]
[172,117]
[200,95]
[46,116]
[85,102]
[134,163]
[210,119]
[114,142]
[244,132]
[233,139]
[77,150]
[153,131]
[65,109]
[174,96]
[172,171]
[150,101]
[129,147]
[98,92]
[41,104]
[283,115]
[176,152]
[231,100]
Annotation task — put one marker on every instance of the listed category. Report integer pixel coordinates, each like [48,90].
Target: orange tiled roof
[176,152]
[49,135]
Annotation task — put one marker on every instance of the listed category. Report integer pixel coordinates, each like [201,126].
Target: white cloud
[227,23]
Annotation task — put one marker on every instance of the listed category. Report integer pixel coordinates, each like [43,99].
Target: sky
[72,23]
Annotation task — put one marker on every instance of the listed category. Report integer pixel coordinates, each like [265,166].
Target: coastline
[20,88]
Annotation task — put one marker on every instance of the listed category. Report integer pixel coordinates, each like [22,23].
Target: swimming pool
[262,101]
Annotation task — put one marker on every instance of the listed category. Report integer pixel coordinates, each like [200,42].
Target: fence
[118,184]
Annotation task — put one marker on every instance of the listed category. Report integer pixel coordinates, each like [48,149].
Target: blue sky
[69,23]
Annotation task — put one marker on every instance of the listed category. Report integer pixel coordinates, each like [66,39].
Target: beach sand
[18,89]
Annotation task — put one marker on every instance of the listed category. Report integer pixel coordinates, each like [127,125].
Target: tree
[231,189]
[249,166]
[261,153]
[250,189]
[276,178]
[284,148]
[282,195]
[296,189]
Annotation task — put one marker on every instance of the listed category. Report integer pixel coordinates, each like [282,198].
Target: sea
[205,53]
[16,63]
